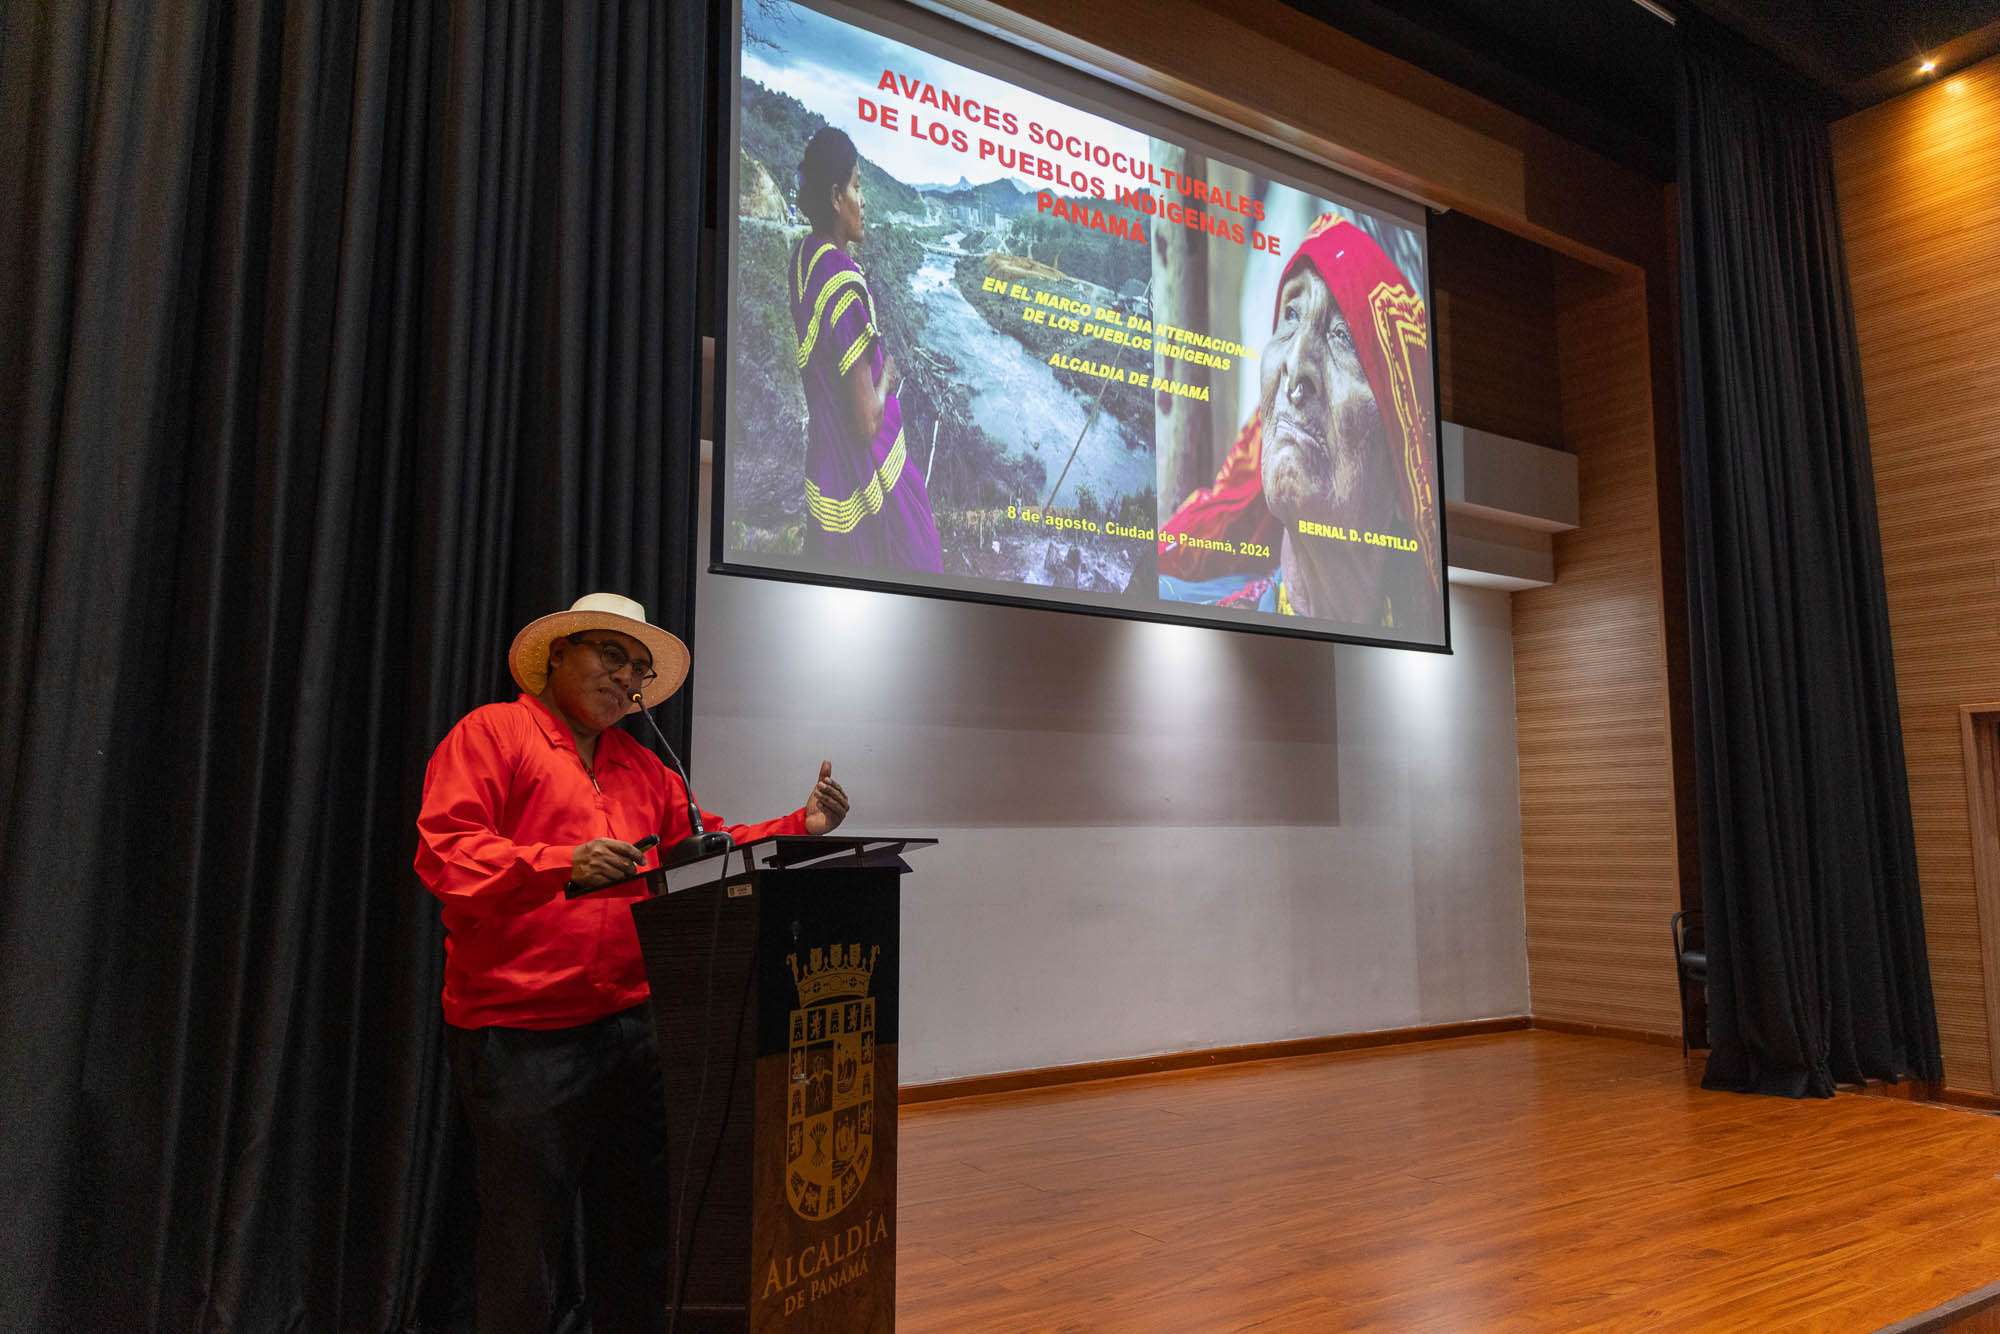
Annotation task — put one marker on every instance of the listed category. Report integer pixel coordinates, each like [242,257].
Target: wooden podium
[775,1000]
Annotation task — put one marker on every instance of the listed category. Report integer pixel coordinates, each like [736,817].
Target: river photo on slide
[993,417]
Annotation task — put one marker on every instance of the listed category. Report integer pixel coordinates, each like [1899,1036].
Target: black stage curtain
[340,339]
[1817,967]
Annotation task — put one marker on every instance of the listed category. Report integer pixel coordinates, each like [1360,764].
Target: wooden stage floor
[1523,1181]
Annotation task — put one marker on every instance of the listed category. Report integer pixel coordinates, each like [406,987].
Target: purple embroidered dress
[866,503]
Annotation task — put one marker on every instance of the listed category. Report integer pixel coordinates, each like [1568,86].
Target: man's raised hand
[827,806]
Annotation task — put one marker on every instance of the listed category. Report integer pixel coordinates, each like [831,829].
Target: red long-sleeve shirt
[506,800]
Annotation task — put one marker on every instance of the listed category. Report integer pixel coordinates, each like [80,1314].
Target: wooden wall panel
[1599,860]
[1493,304]
[1917,179]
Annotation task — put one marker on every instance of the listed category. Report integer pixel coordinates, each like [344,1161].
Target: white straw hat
[528,659]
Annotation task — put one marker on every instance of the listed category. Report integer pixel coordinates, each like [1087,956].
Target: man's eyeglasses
[615,658]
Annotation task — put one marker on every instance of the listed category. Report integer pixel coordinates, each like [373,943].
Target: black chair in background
[1691,970]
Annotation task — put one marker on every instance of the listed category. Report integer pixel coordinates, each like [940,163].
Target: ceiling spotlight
[1927,67]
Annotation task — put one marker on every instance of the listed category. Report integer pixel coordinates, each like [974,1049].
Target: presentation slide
[983,341]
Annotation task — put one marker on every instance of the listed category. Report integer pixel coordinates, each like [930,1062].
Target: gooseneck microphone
[700,843]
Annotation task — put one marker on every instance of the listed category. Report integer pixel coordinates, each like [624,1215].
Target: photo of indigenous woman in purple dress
[865,497]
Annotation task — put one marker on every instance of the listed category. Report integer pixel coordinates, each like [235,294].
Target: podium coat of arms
[830,1101]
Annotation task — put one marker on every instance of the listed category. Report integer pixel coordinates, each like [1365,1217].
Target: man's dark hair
[829,160]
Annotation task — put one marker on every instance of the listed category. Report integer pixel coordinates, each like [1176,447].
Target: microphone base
[697,847]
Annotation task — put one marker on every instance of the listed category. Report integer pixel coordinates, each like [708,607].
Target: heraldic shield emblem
[830,1104]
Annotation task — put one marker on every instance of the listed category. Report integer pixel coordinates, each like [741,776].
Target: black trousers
[554,1112]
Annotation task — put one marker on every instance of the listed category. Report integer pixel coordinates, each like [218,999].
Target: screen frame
[945,35]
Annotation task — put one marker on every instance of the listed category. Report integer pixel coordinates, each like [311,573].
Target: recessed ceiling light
[1927,67]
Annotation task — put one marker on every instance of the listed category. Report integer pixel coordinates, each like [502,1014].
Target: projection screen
[995,329]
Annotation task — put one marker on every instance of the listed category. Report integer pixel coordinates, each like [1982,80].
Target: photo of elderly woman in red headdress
[1334,474]
[866,505]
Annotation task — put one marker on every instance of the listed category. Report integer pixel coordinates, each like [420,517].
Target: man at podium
[551,1047]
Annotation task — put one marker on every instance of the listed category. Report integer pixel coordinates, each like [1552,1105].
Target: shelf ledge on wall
[1505,500]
